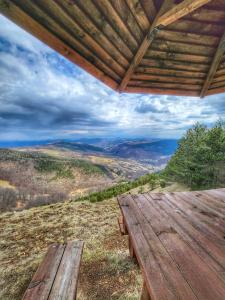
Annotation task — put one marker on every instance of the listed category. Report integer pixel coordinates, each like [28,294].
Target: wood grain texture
[142,49]
[24,20]
[41,284]
[182,9]
[57,275]
[65,283]
[115,40]
[187,227]
[214,66]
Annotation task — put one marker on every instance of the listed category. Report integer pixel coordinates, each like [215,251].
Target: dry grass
[107,272]
[6,184]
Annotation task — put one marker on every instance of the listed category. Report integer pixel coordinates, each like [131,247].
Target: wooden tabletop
[179,242]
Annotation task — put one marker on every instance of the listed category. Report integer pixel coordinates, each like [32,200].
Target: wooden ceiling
[168,47]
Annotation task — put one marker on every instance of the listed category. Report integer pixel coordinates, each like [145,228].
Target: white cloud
[42,94]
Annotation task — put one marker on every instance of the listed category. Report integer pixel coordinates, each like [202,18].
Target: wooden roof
[179,242]
[139,46]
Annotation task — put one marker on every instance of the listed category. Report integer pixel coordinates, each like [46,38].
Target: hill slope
[107,272]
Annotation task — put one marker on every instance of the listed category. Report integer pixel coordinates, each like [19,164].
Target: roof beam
[179,11]
[22,19]
[214,66]
[166,15]
[144,46]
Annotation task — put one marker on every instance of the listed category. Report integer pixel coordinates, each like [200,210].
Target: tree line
[199,160]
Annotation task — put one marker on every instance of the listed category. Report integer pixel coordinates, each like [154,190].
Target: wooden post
[131,250]
[122,226]
[144,293]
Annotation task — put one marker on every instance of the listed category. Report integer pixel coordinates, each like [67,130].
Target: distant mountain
[144,150]
[155,152]
[149,151]
[77,146]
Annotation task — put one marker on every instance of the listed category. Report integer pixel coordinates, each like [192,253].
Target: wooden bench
[178,240]
[56,277]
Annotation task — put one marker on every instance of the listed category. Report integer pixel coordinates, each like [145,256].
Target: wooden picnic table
[178,240]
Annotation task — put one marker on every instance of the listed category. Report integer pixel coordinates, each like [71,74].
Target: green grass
[151,179]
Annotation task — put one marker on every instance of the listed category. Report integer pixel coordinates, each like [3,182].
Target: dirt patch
[99,281]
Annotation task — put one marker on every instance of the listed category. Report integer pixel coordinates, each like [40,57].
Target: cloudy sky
[43,96]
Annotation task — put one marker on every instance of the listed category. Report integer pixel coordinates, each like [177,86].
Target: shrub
[162,183]
[41,200]
[8,199]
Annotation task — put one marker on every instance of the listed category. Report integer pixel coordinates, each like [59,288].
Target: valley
[36,175]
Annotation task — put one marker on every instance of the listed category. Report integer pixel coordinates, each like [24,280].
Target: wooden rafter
[144,46]
[214,66]
[179,11]
[22,19]
[162,19]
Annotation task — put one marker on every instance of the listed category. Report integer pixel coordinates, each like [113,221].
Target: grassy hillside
[34,178]
[38,176]
[107,272]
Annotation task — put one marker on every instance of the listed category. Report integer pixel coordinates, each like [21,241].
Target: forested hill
[200,158]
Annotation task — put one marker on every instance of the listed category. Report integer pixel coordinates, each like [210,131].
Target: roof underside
[140,46]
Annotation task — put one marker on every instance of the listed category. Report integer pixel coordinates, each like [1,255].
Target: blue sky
[43,96]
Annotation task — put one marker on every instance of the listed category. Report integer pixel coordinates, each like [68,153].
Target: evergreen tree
[200,158]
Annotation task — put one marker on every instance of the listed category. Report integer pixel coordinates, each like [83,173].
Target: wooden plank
[165,85]
[214,66]
[178,57]
[173,65]
[144,293]
[174,219]
[217,84]
[158,267]
[217,194]
[139,14]
[182,47]
[182,9]
[116,22]
[142,49]
[149,8]
[65,23]
[220,90]
[211,29]
[128,18]
[203,241]
[13,12]
[190,38]
[144,72]
[164,78]
[122,226]
[220,72]
[219,78]
[160,91]
[65,283]
[208,15]
[41,284]
[204,282]
[202,218]
[84,21]
[104,26]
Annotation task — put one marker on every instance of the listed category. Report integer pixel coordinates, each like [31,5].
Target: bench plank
[65,284]
[57,275]
[41,284]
